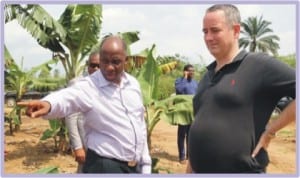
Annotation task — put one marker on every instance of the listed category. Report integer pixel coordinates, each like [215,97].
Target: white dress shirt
[114,116]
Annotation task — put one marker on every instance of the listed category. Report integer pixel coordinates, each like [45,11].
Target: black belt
[128,163]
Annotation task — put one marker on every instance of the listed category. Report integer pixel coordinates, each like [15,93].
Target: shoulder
[75,80]
[258,56]
[263,60]
[195,81]
[179,79]
[82,82]
[132,80]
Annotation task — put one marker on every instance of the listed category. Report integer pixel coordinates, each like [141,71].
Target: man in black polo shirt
[235,100]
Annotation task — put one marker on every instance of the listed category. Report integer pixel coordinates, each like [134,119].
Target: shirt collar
[241,55]
[103,82]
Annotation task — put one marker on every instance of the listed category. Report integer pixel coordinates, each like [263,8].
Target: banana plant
[19,80]
[70,38]
[57,131]
[174,110]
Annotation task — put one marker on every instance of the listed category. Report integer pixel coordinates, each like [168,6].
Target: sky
[173,28]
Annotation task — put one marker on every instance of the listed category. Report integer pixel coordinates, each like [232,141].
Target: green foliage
[57,131]
[76,30]
[54,129]
[289,60]
[166,86]
[13,119]
[7,56]
[20,81]
[177,109]
[82,24]
[47,31]
[48,170]
[129,38]
[256,36]
[148,77]
[156,169]
[48,84]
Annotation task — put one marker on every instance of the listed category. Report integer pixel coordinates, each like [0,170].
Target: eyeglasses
[93,65]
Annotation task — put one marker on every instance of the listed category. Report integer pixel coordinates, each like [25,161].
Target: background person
[188,86]
[234,101]
[74,122]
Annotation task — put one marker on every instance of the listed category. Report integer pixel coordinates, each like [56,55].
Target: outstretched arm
[36,108]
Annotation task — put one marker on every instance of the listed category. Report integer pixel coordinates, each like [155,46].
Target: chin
[109,78]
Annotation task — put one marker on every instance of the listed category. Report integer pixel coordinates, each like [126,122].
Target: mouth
[110,75]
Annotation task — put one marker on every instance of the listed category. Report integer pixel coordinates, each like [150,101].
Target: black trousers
[95,163]
[183,134]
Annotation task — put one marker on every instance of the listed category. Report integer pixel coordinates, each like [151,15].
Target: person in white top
[74,122]
[111,102]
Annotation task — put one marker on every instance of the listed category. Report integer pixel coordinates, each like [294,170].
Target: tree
[70,38]
[256,36]
[148,76]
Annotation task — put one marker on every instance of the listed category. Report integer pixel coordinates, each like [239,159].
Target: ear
[237,30]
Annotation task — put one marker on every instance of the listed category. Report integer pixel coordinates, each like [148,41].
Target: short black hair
[186,67]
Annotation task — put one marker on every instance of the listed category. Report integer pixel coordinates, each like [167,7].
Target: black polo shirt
[232,108]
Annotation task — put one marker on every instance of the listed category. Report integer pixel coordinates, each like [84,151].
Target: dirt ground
[28,154]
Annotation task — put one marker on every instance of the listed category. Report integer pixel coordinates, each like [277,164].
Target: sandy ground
[28,154]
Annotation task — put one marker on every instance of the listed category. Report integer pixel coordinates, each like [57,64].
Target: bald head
[113,53]
[113,42]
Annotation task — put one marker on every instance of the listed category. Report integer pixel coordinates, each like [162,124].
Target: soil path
[28,154]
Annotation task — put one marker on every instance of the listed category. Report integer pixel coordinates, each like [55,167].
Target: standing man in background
[74,122]
[185,85]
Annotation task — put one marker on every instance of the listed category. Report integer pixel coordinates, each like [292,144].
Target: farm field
[27,154]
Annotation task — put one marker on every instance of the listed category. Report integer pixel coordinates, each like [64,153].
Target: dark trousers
[95,163]
[182,134]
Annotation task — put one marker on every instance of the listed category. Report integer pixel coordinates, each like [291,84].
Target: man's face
[218,35]
[113,58]
[93,63]
[190,72]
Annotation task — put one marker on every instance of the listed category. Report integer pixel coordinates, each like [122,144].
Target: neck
[227,59]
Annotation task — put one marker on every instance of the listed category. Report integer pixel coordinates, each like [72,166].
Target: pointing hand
[36,108]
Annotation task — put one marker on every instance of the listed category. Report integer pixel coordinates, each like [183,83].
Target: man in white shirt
[74,122]
[111,102]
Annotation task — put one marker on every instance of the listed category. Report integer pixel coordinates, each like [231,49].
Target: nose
[208,36]
[109,66]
